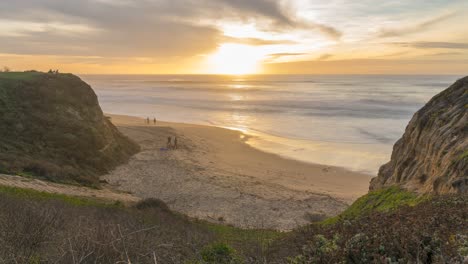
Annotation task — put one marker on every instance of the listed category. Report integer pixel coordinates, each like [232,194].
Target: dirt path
[50,187]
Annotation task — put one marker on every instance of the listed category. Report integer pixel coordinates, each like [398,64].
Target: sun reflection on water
[236,97]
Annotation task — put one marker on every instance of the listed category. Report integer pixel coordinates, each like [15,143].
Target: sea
[350,121]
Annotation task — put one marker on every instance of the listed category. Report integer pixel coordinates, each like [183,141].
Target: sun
[234,59]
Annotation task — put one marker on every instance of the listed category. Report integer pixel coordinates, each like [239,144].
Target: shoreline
[215,175]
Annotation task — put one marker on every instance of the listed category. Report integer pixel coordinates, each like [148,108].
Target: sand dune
[215,176]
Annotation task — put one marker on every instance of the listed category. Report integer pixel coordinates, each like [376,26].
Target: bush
[432,231]
[220,254]
[37,228]
[152,203]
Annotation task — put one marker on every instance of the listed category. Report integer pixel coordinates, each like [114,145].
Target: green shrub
[384,200]
[220,254]
[319,250]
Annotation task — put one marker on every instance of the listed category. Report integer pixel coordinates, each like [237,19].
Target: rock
[432,155]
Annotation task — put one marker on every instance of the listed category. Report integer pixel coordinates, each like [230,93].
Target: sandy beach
[214,175]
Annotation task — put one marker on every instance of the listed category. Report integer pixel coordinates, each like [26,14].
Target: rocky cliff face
[51,126]
[432,155]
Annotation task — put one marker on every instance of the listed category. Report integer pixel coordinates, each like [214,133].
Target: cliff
[432,155]
[52,127]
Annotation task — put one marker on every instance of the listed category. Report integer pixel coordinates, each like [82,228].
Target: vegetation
[21,76]
[383,200]
[42,227]
[38,227]
[219,254]
[59,133]
[53,128]
[28,194]
[464,155]
[393,227]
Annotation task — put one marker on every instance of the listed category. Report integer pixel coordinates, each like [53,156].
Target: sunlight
[235,59]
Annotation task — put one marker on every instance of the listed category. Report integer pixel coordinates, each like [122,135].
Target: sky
[235,36]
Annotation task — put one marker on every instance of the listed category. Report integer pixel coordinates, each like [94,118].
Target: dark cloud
[395,32]
[267,8]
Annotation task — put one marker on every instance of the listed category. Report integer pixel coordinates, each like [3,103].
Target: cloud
[394,54]
[324,57]
[256,41]
[432,45]
[280,55]
[371,66]
[328,30]
[274,57]
[160,28]
[266,8]
[128,28]
[395,32]
[446,54]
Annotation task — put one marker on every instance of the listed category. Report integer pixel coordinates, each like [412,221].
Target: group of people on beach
[171,144]
[147,121]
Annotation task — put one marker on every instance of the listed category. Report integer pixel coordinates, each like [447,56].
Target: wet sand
[214,175]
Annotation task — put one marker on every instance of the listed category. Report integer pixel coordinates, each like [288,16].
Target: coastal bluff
[432,155]
[52,127]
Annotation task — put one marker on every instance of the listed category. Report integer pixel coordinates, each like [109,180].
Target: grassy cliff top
[51,126]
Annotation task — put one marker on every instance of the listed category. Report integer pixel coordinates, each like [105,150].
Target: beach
[215,175]
[347,121]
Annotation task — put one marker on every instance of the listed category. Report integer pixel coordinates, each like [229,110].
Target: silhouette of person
[154,121]
[169,142]
[147,120]
[175,142]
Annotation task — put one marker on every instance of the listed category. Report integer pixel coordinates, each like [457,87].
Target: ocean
[349,121]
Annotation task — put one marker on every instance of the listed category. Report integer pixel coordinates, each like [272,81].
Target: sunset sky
[236,36]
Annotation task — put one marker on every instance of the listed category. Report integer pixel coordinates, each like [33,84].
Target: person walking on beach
[175,142]
[169,142]
[154,121]
[147,120]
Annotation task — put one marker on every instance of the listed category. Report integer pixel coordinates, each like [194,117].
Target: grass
[21,76]
[224,233]
[108,230]
[245,241]
[434,230]
[234,235]
[384,200]
[38,195]
[464,155]
[41,136]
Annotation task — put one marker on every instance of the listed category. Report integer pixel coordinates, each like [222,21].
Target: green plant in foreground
[220,253]
[464,155]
